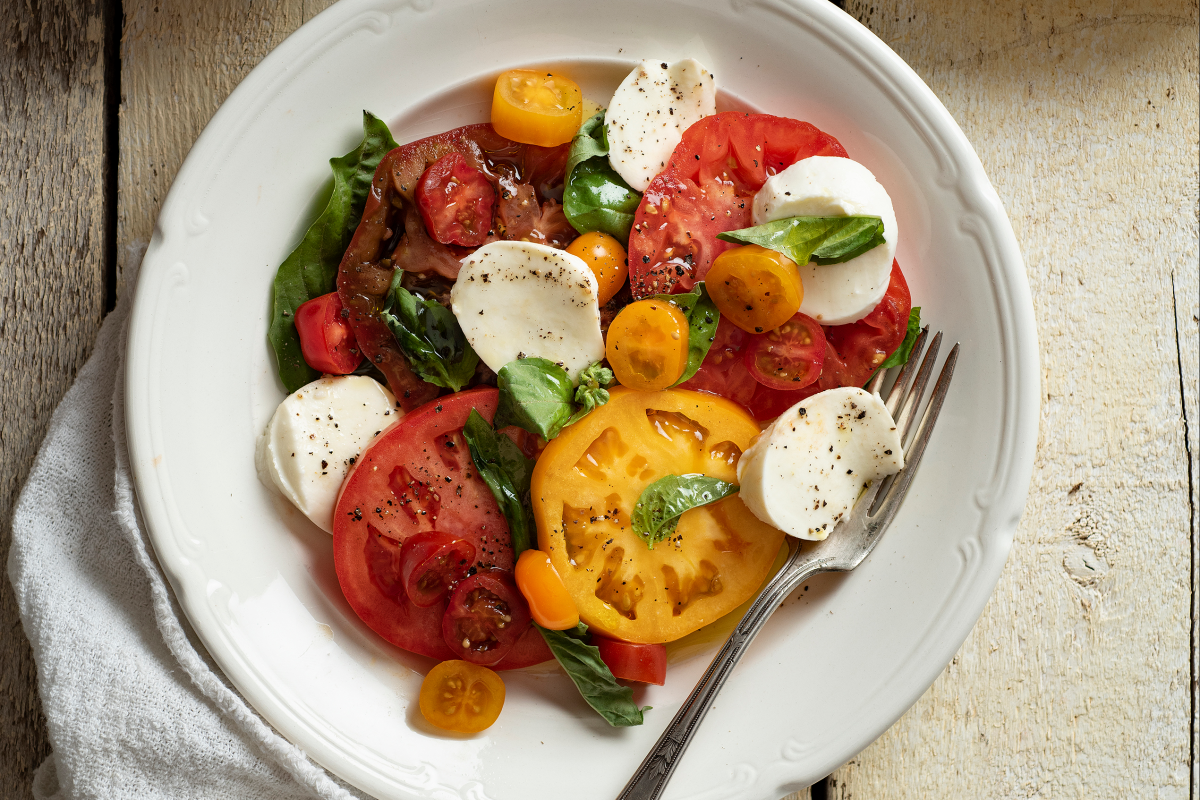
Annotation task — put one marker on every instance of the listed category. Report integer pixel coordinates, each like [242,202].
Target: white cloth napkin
[134,705]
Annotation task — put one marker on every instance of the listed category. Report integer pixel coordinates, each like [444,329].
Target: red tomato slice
[326,338]
[646,663]
[789,357]
[431,562]
[707,188]
[456,201]
[723,371]
[853,352]
[768,403]
[418,476]
[485,617]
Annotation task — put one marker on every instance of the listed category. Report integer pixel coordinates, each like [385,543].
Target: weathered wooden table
[1080,679]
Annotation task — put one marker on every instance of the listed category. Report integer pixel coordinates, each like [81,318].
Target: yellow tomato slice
[585,486]
[756,288]
[647,345]
[461,696]
[534,107]
[550,604]
[606,258]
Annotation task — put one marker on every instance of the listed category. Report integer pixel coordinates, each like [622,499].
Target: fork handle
[652,775]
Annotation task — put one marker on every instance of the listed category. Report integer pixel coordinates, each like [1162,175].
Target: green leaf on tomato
[904,351]
[595,197]
[581,661]
[429,334]
[535,394]
[311,269]
[825,240]
[506,471]
[657,512]
[702,316]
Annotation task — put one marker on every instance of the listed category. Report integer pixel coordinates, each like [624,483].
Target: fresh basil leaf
[506,472]
[593,390]
[595,197]
[827,240]
[595,681]
[703,317]
[430,336]
[904,351]
[663,502]
[535,394]
[311,269]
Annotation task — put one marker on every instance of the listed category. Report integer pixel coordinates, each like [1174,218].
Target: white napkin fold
[134,705]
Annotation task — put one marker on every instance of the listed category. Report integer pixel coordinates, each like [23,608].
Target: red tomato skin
[854,351]
[787,352]
[645,663]
[768,403]
[326,338]
[723,371]
[456,201]
[370,524]
[460,620]
[416,554]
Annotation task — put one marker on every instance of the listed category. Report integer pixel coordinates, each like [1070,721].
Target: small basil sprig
[311,269]
[429,334]
[702,316]
[595,197]
[826,240]
[582,662]
[663,502]
[506,471]
[536,394]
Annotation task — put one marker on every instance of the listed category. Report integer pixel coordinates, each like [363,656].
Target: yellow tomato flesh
[461,696]
[755,288]
[549,603]
[605,256]
[536,107]
[647,345]
[585,486]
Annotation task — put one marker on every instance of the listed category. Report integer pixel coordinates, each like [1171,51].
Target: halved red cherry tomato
[646,663]
[418,476]
[856,350]
[431,562]
[456,201]
[549,601]
[789,357]
[326,338]
[460,696]
[485,617]
[707,188]
[723,370]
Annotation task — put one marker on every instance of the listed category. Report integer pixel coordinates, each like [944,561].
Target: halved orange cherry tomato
[462,697]
[587,482]
[549,603]
[647,345]
[756,288]
[535,107]
[605,256]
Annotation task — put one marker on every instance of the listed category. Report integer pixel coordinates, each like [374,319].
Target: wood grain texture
[52,253]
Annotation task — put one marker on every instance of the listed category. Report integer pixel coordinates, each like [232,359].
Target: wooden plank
[1076,681]
[52,285]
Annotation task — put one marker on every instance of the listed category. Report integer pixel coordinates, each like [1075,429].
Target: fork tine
[876,383]
[910,404]
[907,372]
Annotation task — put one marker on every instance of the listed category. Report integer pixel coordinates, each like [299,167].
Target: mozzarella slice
[316,435]
[804,472]
[827,186]
[649,112]
[521,299]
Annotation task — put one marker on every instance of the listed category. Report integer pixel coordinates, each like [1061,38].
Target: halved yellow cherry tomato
[460,696]
[756,288]
[647,345]
[585,486]
[535,107]
[549,603]
[605,256]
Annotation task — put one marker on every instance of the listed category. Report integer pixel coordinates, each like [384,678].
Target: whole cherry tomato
[605,256]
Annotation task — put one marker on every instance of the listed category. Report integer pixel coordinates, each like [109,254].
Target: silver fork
[844,549]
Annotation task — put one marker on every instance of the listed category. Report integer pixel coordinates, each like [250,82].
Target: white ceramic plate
[833,669]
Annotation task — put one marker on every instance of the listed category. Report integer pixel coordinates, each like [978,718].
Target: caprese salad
[562,382]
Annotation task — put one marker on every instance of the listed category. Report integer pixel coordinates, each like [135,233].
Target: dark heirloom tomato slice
[789,357]
[431,562]
[456,202]
[326,338]
[853,352]
[723,371]
[707,188]
[646,663]
[417,477]
[485,617]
